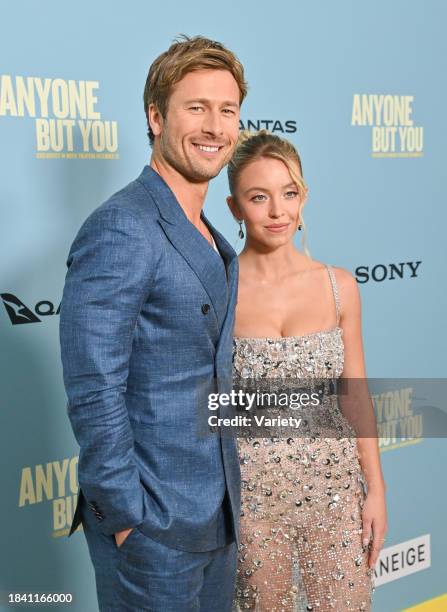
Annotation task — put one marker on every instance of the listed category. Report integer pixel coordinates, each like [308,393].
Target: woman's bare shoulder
[348,290]
[344,277]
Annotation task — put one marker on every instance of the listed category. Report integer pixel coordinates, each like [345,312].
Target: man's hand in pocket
[120,536]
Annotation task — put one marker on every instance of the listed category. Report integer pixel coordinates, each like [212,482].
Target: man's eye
[195,107]
[291,194]
[229,111]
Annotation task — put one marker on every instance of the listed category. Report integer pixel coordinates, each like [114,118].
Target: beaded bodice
[315,355]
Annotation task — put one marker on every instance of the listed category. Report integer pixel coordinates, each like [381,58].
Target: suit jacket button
[205,308]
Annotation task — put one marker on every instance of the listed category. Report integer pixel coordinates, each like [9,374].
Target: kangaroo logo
[18,312]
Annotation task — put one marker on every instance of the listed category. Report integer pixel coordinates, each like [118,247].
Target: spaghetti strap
[334,291]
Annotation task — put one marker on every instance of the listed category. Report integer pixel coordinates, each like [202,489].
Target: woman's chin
[273,242]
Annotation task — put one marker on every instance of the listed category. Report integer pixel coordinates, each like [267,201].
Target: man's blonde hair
[184,56]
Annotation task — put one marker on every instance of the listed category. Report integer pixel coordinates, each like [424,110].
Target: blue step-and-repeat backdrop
[360,89]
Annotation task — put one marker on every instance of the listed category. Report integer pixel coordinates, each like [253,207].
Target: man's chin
[200,175]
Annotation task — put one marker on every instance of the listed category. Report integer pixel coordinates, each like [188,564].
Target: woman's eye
[291,194]
[255,198]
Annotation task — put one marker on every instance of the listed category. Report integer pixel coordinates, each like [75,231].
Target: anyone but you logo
[55,482]
[67,122]
[393,133]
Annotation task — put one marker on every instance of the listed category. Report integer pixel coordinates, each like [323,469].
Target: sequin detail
[301,525]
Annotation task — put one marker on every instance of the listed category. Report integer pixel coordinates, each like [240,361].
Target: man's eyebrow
[292,184]
[207,101]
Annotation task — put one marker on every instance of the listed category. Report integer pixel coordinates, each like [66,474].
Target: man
[146,325]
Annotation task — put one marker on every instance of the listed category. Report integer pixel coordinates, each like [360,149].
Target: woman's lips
[276,229]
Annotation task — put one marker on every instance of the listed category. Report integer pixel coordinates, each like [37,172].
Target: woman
[311,527]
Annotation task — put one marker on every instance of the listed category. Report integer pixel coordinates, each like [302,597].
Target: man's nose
[212,123]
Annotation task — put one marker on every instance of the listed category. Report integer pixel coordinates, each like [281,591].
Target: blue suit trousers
[143,574]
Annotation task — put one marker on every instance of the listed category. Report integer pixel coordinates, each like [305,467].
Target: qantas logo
[273,125]
[19,312]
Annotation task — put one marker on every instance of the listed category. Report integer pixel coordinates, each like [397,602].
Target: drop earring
[300,227]
[241,231]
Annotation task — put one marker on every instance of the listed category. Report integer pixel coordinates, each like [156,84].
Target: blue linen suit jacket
[146,325]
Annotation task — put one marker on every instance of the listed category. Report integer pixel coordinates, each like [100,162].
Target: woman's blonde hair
[183,56]
[252,146]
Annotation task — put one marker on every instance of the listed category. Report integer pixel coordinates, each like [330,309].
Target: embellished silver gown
[301,528]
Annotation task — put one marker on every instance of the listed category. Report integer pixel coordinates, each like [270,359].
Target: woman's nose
[275,208]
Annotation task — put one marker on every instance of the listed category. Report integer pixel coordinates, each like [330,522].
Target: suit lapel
[211,269]
[226,252]
[197,253]
[231,265]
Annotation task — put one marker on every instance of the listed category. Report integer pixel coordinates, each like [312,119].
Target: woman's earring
[300,227]
[241,231]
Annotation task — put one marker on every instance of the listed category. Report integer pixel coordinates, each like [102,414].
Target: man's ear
[233,206]
[155,119]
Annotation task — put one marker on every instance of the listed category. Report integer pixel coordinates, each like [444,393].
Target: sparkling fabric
[301,527]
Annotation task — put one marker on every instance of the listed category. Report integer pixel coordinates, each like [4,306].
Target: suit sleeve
[108,280]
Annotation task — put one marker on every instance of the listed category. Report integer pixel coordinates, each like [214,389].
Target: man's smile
[207,148]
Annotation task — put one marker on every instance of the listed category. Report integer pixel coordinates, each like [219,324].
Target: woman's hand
[374,520]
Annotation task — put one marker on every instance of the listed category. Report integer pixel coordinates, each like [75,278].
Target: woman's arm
[357,406]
